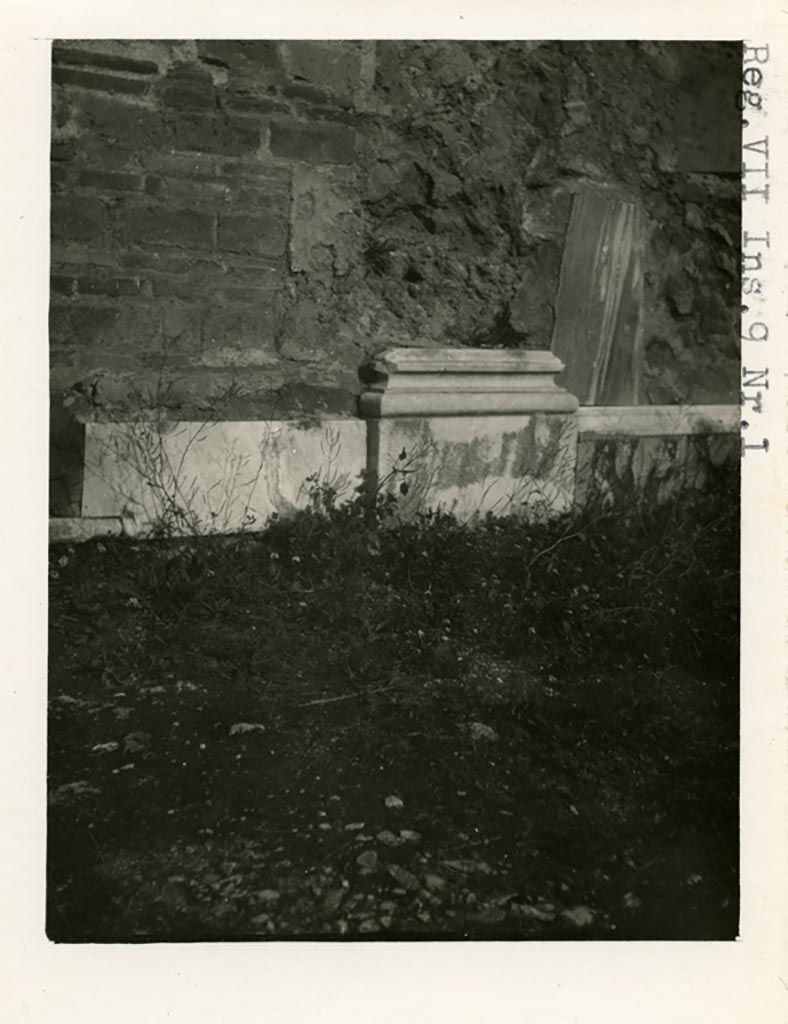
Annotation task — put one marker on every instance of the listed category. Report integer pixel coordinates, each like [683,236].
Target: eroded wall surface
[239,224]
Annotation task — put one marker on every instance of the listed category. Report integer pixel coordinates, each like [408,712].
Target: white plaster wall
[215,477]
[472,465]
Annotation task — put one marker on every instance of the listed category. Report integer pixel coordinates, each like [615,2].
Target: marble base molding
[462,382]
[468,431]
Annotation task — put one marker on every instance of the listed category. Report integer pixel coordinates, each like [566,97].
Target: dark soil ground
[429,730]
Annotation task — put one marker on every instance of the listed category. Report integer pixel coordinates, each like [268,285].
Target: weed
[299,675]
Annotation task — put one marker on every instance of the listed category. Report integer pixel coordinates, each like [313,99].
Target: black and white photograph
[395,447]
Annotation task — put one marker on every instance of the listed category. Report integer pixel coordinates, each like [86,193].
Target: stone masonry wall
[251,219]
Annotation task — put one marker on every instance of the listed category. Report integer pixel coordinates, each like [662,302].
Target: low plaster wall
[474,465]
[215,477]
[652,451]
[467,431]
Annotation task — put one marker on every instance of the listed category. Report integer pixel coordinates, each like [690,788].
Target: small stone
[631,901]
[136,742]
[242,727]
[324,826]
[490,915]
[354,826]
[105,748]
[469,867]
[332,900]
[528,912]
[435,883]
[409,835]
[73,790]
[693,217]
[394,803]
[386,920]
[388,838]
[369,925]
[480,731]
[368,860]
[579,916]
[403,877]
[268,895]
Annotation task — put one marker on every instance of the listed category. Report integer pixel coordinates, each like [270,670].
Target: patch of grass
[556,706]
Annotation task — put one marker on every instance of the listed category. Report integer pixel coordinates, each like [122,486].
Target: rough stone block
[199,191]
[117,331]
[107,154]
[103,83]
[309,93]
[333,66]
[77,218]
[110,181]
[232,137]
[230,53]
[188,88]
[240,335]
[155,225]
[61,151]
[61,285]
[259,274]
[708,138]
[255,105]
[87,325]
[325,231]
[59,177]
[313,143]
[108,286]
[91,58]
[261,235]
[331,115]
[131,124]
[216,477]
[190,290]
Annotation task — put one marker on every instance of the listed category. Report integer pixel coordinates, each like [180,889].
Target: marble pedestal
[470,431]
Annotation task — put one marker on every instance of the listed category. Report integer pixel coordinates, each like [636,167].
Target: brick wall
[267,213]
